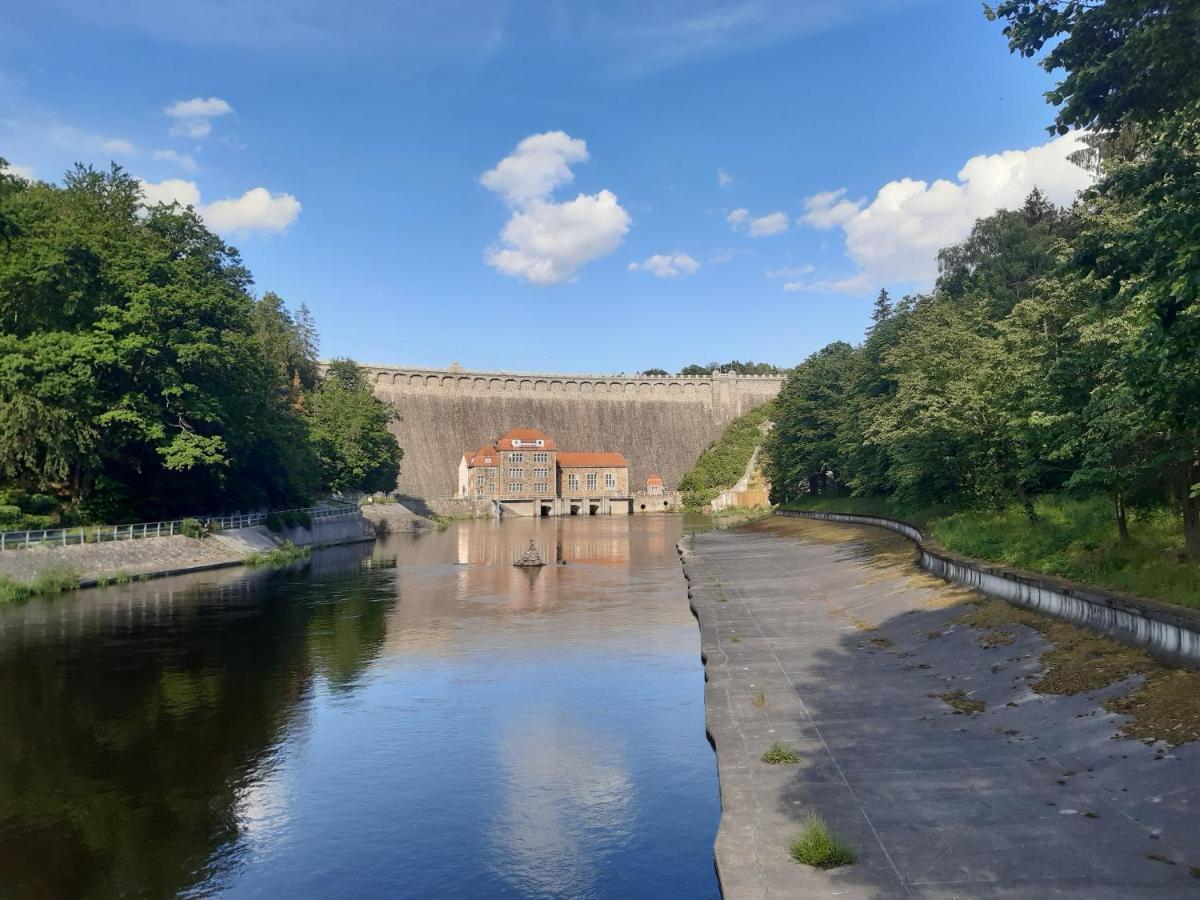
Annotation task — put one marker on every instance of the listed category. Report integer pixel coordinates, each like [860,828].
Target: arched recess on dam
[660,424]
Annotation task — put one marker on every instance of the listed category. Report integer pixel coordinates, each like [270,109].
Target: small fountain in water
[531,558]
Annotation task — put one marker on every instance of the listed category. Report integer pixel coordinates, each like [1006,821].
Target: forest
[140,377]
[1054,368]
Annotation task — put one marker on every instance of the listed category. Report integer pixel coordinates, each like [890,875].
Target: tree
[132,382]
[658,373]
[1125,62]
[349,433]
[882,310]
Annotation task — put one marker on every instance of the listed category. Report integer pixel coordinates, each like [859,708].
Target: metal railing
[332,510]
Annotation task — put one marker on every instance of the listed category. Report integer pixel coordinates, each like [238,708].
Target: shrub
[724,462]
[274,522]
[192,528]
[285,553]
[817,846]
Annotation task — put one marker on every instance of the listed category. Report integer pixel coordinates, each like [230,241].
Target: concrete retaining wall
[1169,631]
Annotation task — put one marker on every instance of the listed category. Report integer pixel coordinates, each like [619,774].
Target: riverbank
[1074,538]
[153,557]
[961,746]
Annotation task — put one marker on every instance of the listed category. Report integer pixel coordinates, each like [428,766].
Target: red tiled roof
[591,460]
[654,479]
[526,436]
[484,456]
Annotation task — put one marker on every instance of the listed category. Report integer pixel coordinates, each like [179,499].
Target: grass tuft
[817,846]
[285,553]
[46,583]
[780,755]
[960,702]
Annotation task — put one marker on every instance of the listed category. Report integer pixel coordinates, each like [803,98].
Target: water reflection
[418,718]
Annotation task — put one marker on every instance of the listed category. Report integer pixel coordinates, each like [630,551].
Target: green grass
[1074,538]
[780,755]
[817,846]
[724,462]
[47,583]
[285,553]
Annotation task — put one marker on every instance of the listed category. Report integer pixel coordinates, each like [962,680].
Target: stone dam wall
[660,424]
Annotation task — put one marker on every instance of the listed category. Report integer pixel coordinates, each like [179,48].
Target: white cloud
[25,172]
[546,241]
[828,209]
[666,265]
[538,165]
[771,223]
[185,161]
[724,179]
[172,190]
[117,146]
[198,108]
[193,118]
[256,210]
[725,254]
[895,238]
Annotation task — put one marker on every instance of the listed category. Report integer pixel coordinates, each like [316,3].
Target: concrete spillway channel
[828,639]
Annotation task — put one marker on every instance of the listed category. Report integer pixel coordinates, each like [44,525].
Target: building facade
[526,464]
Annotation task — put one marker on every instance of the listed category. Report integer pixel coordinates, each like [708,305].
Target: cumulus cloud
[724,179]
[25,172]
[545,241]
[895,237]
[761,226]
[666,265]
[185,161]
[193,118]
[538,165]
[256,210]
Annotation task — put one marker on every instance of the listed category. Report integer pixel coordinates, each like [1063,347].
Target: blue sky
[343,147]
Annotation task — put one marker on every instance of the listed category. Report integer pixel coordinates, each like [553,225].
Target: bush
[274,522]
[191,528]
[285,553]
[816,846]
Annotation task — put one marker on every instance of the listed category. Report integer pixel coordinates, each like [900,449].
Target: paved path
[827,638]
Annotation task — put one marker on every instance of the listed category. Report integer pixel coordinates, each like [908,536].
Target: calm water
[413,719]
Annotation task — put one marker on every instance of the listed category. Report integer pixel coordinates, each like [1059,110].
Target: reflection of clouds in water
[568,800]
[262,808]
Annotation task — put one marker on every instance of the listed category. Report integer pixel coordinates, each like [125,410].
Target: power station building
[528,474]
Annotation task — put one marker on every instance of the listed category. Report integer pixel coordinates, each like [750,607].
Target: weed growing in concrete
[759,699]
[735,640]
[817,846]
[960,702]
[780,755]
[122,577]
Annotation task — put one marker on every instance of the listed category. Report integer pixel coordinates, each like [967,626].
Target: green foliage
[133,381]
[48,582]
[349,433]
[274,522]
[192,528]
[818,847]
[780,755]
[661,373]
[285,553]
[725,460]
[733,366]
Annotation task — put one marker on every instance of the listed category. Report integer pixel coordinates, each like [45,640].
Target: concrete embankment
[932,747]
[1171,632]
[156,556]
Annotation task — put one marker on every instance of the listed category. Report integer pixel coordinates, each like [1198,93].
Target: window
[515,487]
[541,473]
[610,480]
[541,457]
[591,481]
[573,482]
[516,473]
[540,488]
[479,482]
[516,457]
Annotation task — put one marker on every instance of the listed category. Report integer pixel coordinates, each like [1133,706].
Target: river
[416,718]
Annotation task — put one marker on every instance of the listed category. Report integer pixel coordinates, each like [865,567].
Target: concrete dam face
[660,424]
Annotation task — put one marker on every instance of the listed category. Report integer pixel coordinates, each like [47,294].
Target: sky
[542,185]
